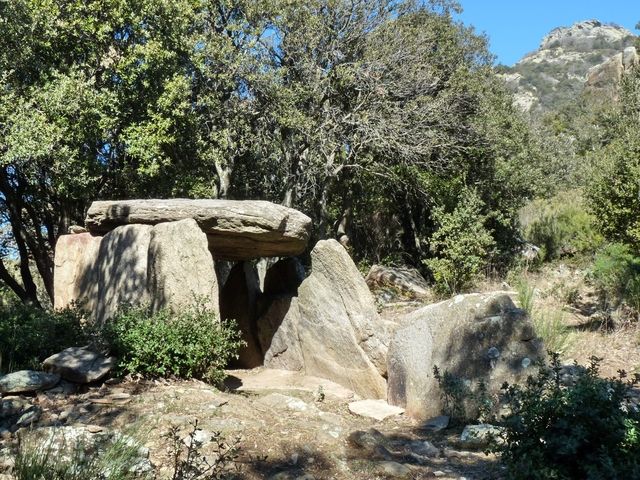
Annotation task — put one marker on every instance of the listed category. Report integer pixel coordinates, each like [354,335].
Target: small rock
[27,381]
[11,406]
[436,424]
[423,448]
[294,458]
[29,417]
[94,428]
[79,364]
[394,469]
[201,437]
[279,401]
[478,436]
[376,409]
[372,442]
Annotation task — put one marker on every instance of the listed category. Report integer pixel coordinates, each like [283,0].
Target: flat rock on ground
[79,365]
[25,381]
[376,409]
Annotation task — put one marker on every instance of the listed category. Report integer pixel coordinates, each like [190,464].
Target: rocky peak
[584,36]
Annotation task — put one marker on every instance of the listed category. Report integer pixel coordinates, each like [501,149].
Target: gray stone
[75,278]
[121,270]
[25,381]
[479,436]
[283,277]
[12,406]
[408,280]
[376,409]
[335,323]
[180,269]
[29,417]
[423,448]
[372,442]
[285,402]
[462,335]
[436,424]
[79,365]
[236,230]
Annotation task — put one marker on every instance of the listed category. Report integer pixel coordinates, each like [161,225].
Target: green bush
[28,334]
[616,276]
[561,226]
[462,401]
[188,344]
[461,245]
[585,430]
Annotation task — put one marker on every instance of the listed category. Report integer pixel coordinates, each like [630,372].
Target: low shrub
[28,334]
[462,401]
[461,245]
[561,226]
[616,276]
[188,344]
[584,430]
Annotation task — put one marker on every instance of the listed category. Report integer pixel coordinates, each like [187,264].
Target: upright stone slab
[121,270]
[74,277]
[332,327]
[180,268]
[236,230]
[475,337]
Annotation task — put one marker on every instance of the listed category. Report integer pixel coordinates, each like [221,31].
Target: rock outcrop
[236,230]
[604,80]
[557,71]
[25,381]
[74,278]
[332,328]
[475,337]
[408,280]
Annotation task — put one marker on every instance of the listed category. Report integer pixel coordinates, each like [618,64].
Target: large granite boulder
[476,337]
[121,270]
[74,277]
[180,267]
[236,230]
[25,381]
[79,365]
[332,328]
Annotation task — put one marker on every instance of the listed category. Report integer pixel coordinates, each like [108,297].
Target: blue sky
[515,27]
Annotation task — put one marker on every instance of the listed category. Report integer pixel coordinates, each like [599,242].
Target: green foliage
[461,245]
[584,430]
[107,460]
[561,226]
[616,276]
[189,463]
[614,189]
[191,343]
[28,334]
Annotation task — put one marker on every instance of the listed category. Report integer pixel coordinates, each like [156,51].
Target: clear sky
[516,27]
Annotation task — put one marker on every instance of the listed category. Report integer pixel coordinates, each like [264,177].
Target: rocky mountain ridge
[588,53]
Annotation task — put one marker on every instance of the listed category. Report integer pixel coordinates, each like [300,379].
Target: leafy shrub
[616,276]
[187,344]
[461,245]
[561,226]
[28,334]
[584,430]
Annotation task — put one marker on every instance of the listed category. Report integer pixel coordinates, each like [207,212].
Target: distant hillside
[588,52]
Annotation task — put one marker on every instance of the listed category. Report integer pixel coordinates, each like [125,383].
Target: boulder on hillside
[408,280]
[475,337]
[283,277]
[180,267]
[121,270]
[74,262]
[332,327]
[236,230]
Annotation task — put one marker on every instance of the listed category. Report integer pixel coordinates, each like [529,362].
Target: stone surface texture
[407,280]
[236,230]
[475,337]
[74,277]
[180,267]
[376,409]
[332,326]
[79,365]
[25,381]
